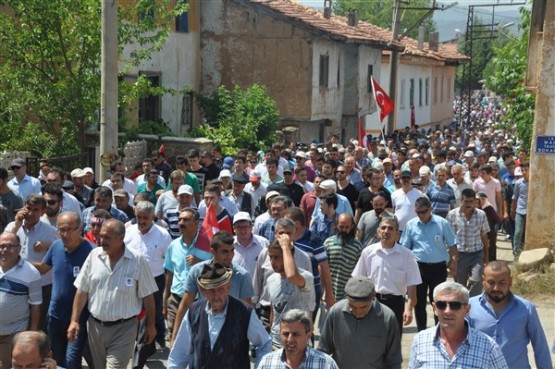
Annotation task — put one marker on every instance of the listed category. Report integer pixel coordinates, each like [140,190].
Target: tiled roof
[445,52]
[335,28]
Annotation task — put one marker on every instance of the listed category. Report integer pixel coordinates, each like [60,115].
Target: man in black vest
[216,330]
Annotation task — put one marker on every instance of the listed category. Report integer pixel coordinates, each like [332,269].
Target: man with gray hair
[150,241]
[360,332]
[458,183]
[116,284]
[452,343]
[295,332]
[329,186]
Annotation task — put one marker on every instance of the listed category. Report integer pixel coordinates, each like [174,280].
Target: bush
[238,119]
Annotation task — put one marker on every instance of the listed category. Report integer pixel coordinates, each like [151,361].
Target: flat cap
[359,288]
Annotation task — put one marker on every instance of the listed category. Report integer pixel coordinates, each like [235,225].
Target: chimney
[434,41]
[327,9]
[352,19]
[421,31]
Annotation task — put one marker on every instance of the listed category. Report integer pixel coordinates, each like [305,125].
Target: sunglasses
[52,202]
[340,171]
[422,211]
[454,305]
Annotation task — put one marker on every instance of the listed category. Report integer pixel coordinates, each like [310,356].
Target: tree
[238,119]
[49,66]
[506,73]
[380,13]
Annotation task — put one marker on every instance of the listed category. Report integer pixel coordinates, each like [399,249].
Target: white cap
[77,173]
[185,189]
[492,159]
[225,173]
[469,154]
[242,215]
[518,172]
[424,171]
[88,170]
[328,184]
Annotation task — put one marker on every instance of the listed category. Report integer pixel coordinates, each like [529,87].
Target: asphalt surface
[545,310]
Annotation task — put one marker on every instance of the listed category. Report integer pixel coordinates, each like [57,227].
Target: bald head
[30,348]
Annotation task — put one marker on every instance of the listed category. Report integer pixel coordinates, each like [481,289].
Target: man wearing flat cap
[217,329]
[360,332]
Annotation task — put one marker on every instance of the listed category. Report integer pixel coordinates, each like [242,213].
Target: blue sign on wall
[545,145]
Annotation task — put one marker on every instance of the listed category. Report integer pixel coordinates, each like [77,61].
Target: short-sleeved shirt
[469,232]
[152,245]
[490,188]
[176,262]
[392,270]
[368,227]
[285,296]
[241,281]
[166,201]
[39,232]
[118,293]
[342,260]
[19,288]
[65,268]
[246,256]
[403,203]
[442,198]
[152,193]
[317,254]
[430,241]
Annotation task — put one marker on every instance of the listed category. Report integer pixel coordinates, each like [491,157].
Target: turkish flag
[383,101]
[362,138]
[211,225]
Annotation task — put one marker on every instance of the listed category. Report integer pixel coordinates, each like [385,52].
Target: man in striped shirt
[343,251]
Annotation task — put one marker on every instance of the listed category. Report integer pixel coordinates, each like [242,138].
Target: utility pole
[108,87]
[393,64]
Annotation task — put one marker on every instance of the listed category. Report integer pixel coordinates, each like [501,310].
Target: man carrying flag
[216,218]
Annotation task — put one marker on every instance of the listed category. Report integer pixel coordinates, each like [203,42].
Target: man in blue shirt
[218,329]
[65,257]
[510,320]
[432,241]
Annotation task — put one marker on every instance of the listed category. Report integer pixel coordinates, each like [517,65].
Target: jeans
[67,355]
[520,228]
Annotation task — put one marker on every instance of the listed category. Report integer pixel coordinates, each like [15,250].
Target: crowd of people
[226,259]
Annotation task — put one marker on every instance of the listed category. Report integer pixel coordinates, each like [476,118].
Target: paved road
[545,310]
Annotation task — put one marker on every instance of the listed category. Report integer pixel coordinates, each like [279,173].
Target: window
[324,70]
[435,91]
[402,94]
[427,91]
[182,21]
[420,92]
[338,71]
[411,92]
[369,78]
[442,88]
[149,106]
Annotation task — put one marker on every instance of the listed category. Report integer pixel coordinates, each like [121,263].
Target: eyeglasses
[422,211]
[52,202]
[66,230]
[8,246]
[454,305]
[15,168]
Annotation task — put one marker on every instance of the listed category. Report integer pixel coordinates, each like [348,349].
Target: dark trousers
[67,354]
[46,296]
[142,350]
[395,303]
[432,274]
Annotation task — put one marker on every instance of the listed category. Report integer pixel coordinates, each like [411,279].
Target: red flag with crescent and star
[383,101]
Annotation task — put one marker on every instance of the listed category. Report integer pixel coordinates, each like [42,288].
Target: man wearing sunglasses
[452,343]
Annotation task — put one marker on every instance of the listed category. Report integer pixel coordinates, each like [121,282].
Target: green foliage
[238,119]
[380,13]
[49,67]
[506,74]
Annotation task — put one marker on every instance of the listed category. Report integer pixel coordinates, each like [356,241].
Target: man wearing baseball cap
[359,331]
[196,345]
[23,183]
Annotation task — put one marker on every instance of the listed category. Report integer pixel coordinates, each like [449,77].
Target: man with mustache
[510,320]
[368,224]
[343,251]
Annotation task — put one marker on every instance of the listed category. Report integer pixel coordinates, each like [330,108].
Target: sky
[453,19]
